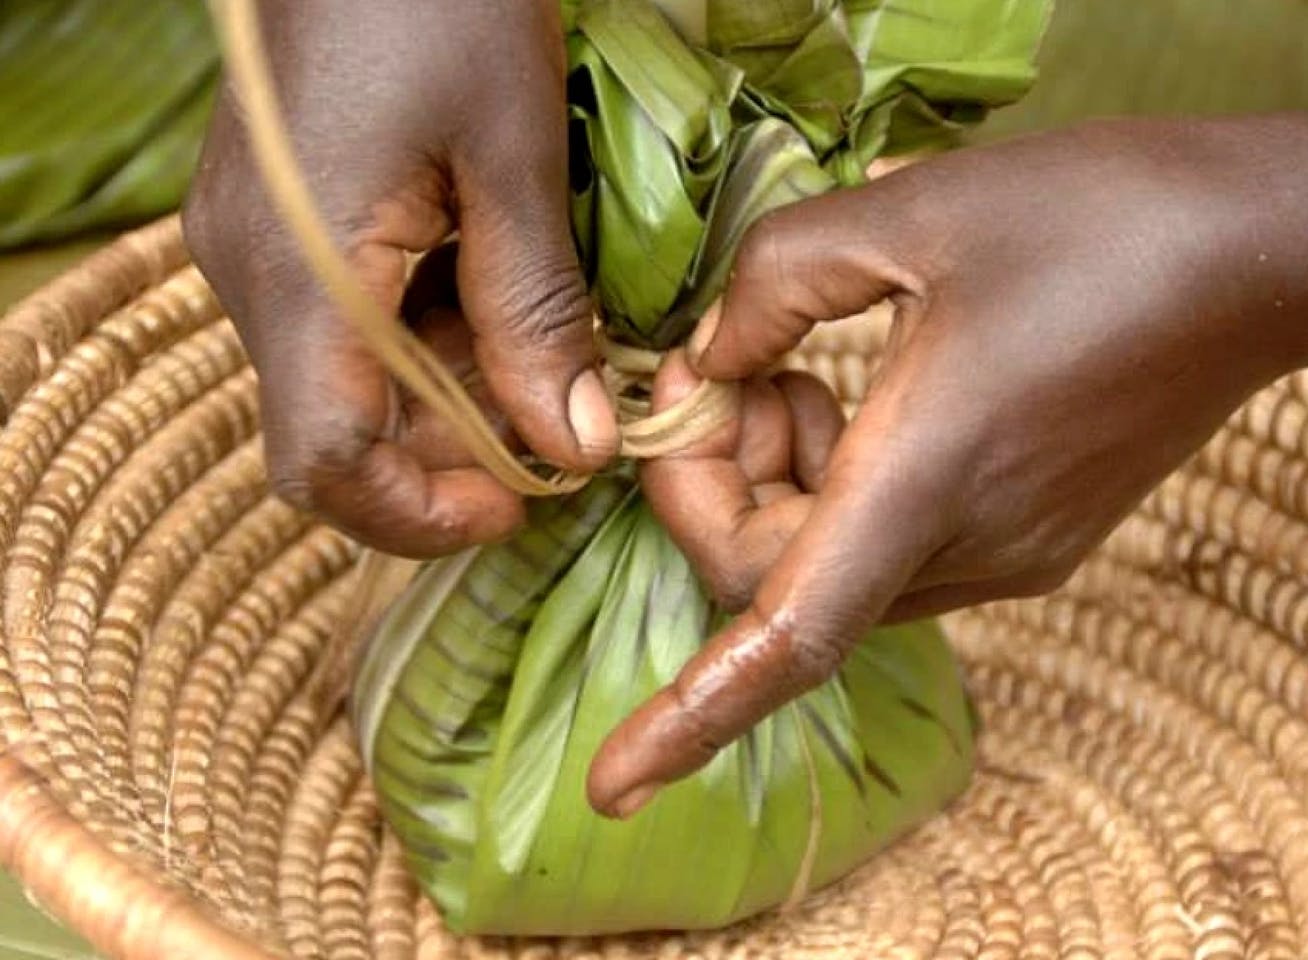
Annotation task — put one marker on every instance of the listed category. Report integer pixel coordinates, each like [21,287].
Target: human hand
[412,118]
[1075,314]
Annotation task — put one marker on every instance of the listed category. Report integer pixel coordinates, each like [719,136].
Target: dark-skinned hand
[432,116]
[1075,314]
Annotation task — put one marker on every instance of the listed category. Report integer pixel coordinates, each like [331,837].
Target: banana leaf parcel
[491,682]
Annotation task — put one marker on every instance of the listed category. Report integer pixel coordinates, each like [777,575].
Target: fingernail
[630,803]
[704,333]
[590,411]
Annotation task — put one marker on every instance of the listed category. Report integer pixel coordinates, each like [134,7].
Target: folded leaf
[667,96]
[505,676]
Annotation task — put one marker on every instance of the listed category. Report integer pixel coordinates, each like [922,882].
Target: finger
[336,436]
[875,523]
[726,501]
[816,260]
[764,446]
[432,310]
[337,445]
[523,290]
[390,502]
[818,423]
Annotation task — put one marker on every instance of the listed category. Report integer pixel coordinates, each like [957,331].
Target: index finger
[869,532]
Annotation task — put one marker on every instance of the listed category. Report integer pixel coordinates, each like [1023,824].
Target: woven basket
[179,781]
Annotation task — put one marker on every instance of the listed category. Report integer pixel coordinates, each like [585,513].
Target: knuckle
[814,653]
[544,301]
[731,590]
[304,458]
[776,257]
[817,657]
[292,484]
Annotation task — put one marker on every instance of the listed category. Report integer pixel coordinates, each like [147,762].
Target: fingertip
[674,380]
[497,512]
[464,507]
[652,747]
[593,419]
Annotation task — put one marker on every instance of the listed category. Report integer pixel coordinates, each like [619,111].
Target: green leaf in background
[26,933]
[1164,57]
[102,109]
[486,693]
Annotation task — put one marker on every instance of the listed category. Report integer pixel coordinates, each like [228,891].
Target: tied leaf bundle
[493,680]
[489,685]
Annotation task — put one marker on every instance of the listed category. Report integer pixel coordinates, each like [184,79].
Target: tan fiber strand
[171,655]
[391,895]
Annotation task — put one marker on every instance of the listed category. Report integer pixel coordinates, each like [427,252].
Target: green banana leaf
[102,108]
[692,118]
[493,680]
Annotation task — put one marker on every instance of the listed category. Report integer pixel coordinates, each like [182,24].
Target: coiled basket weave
[178,779]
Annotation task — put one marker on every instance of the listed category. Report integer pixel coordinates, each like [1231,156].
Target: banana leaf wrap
[488,687]
[492,681]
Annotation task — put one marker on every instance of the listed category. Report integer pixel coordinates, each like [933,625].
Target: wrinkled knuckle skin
[545,301]
[292,483]
[771,258]
[816,657]
[812,655]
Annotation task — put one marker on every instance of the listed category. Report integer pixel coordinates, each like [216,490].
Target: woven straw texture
[1144,765]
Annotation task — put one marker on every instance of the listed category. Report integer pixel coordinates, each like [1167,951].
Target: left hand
[1076,313]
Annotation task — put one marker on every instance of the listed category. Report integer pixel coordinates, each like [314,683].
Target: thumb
[816,260]
[525,298]
[870,530]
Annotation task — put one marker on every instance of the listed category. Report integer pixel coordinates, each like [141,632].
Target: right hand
[1075,314]
[411,118]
